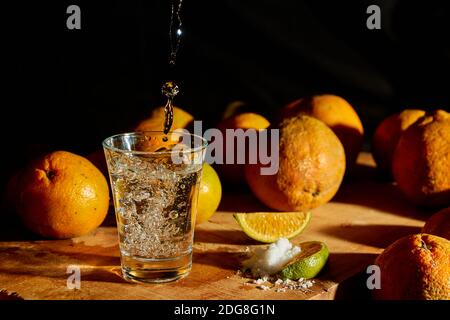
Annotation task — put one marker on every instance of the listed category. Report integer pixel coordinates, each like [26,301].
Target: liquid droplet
[170,90]
[172,60]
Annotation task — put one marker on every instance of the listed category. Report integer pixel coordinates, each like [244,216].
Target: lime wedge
[308,263]
[270,226]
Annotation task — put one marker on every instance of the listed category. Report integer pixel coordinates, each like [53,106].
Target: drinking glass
[155,179]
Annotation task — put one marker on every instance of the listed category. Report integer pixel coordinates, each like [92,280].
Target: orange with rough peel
[336,113]
[421,163]
[388,134]
[234,173]
[62,195]
[439,224]
[155,122]
[416,267]
[311,167]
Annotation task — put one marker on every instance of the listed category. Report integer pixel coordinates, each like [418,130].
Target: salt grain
[262,287]
[270,260]
[279,285]
[265,263]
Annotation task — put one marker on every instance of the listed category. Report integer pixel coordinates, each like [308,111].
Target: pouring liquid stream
[170,89]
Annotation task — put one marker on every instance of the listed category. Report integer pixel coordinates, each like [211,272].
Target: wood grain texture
[367,215]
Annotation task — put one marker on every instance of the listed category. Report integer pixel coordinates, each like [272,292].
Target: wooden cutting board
[367,215]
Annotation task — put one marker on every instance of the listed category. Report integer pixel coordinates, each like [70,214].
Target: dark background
[69,89]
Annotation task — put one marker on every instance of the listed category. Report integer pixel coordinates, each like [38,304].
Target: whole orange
[336,113]
[246,120]
[388,134]
[439,224]
[62,195]
[421,163]
[155,122]
[233,108]
[416,267]
[209,195]
[311,167]
[234,173]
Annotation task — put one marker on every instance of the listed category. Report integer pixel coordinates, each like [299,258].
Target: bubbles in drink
[152,197]
[173,214]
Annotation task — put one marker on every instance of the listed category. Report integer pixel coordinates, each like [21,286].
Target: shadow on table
[382,196]
[375,235]
[113,275]
[235,237]
[54,264]
[354,288]
[220,259]
[364,172]
[338,269]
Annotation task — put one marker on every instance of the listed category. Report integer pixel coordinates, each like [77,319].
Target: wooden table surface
[366,215]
